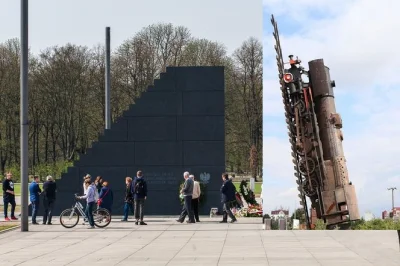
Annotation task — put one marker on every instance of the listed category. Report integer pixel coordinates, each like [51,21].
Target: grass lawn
[257,187]
[5,227]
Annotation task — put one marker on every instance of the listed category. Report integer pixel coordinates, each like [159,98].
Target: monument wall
[176,126]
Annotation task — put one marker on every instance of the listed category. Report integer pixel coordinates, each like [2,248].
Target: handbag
[101,199]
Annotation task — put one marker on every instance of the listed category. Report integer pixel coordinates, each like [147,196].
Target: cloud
[360,51]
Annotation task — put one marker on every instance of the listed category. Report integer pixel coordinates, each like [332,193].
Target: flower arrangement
[247,193]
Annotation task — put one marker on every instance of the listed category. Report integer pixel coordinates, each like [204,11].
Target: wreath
[203,190]
[247,193]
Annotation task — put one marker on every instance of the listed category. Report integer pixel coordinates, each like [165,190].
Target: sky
[357,41]
[83,22]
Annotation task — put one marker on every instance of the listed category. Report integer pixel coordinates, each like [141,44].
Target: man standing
[9,196]
[195,198]
[139,195]
[49,192]
[34,191]
[187,192]
[227,198]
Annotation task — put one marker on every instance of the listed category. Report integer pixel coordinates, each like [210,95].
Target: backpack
[139,187]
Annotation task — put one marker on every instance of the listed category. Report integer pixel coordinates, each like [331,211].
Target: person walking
[34,191]
[90,201]
[9,197]
[128,206]
[49,198]
[187,192]
[195,198]
[106,197]
[139,196]
[227,197]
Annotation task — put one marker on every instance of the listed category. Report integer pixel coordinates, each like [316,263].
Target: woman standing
[128,199]
[106,197]
[90,201]
[99,183]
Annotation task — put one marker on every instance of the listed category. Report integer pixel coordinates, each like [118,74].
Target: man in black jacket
[49,192]
[227,197]
[139,196]
[9,196]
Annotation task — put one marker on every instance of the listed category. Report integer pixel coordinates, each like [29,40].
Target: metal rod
[108,81]
[392,189]
[24,114]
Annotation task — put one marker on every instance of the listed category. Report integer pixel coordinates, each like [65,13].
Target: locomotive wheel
[309,192]
[303,166]
[302,150]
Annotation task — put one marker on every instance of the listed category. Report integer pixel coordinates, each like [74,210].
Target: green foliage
[247,193]
[42,170]
[299,215]
[274,224]
[320,225]
[376,224]
[63,79]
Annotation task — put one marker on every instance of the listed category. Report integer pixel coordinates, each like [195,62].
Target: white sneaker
[91,227]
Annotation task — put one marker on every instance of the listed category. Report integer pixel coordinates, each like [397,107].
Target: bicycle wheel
[69,218]
[101,217]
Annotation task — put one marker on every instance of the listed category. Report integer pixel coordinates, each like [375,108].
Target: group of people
[48,193]
[191,195]
[98,192]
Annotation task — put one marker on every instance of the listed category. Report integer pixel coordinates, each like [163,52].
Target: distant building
[391,214]
[280,214]
[385,215]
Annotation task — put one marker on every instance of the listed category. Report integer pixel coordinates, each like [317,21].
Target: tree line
[66,94]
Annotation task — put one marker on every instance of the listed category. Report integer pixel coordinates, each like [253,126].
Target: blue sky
[360,52]
[83,22]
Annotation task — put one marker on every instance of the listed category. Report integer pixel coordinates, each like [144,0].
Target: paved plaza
[166,242]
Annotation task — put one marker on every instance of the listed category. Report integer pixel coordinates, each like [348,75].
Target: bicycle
[101,216]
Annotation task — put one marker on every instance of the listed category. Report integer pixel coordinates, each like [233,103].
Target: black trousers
[48,209]
[195,208]
[139,206]
[187,210]
[227,211]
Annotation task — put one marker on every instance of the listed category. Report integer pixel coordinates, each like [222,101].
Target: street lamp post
[24,114]
[392,189]
[108,81]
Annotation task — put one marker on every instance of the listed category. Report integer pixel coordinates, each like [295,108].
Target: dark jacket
[141,195]
[107,198]
[188,187]
[34,191]
[8,185]
[49,190]
[99,186]
[129,193]
[228,191]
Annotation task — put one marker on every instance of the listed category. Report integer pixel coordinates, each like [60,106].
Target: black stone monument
[176,126]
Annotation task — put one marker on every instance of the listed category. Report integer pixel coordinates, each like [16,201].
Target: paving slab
[165,242]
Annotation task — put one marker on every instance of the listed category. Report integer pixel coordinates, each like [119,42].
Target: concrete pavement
[166,242]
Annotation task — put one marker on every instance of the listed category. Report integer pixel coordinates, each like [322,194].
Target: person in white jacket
[196,198]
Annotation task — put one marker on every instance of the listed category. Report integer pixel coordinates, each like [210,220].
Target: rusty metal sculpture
[316,139]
